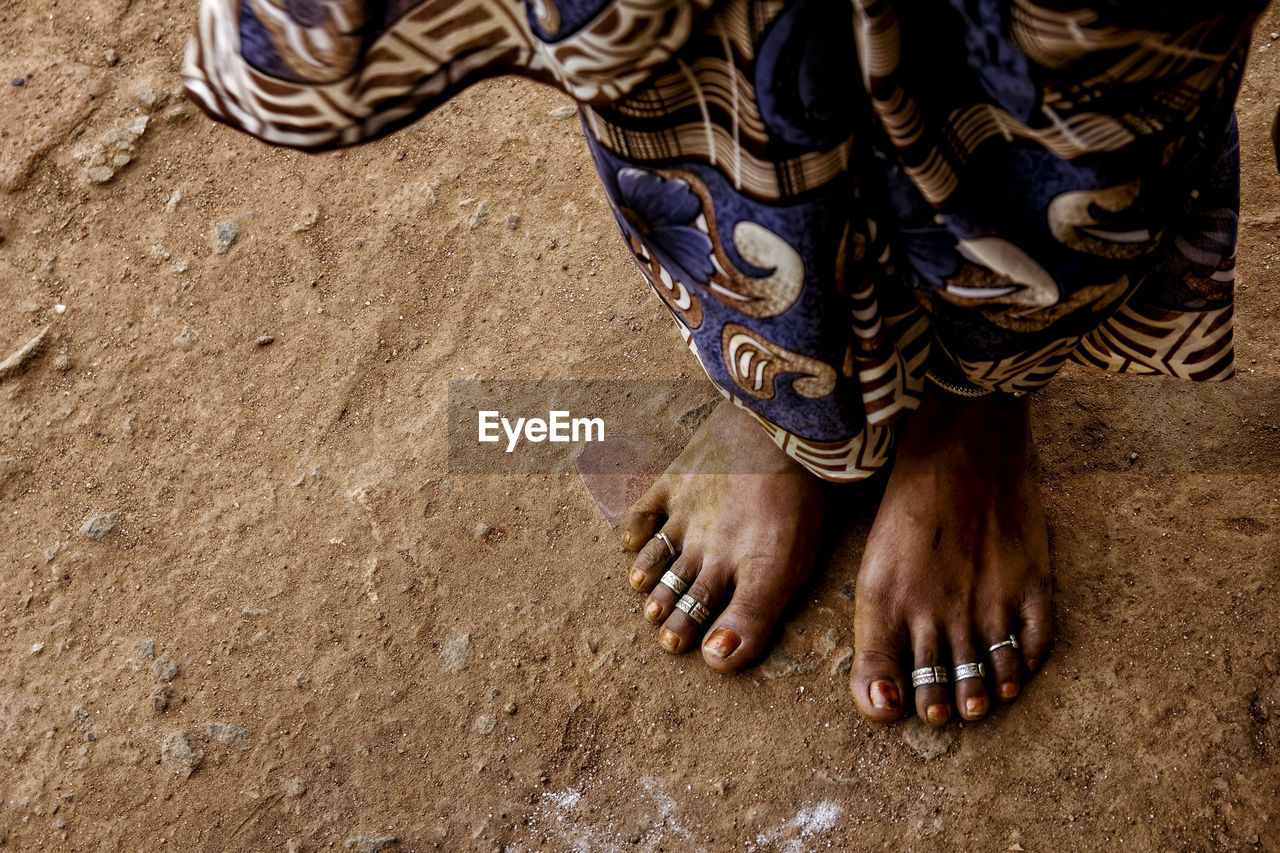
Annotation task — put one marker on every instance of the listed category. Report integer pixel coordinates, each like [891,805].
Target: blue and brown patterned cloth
[836,197]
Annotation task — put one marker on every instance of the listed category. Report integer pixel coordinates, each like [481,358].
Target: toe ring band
[928,675]
[665,541]
[696,610]
[1011,641]
[674,582]
[968,670]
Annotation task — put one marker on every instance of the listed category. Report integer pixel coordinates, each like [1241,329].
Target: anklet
[958,387]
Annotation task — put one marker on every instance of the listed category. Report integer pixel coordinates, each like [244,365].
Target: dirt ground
[291,627]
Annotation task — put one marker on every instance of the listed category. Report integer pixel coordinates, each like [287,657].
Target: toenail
[668,640]
[652,611]
[884,695]
[626,540]
[637,578]
[1032,663]
[938,713]
[1008,690]
[722,642]
[974,706]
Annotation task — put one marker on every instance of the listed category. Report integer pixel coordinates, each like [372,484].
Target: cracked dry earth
[245,605]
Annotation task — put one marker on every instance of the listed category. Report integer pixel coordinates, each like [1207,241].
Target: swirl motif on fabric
[756,363]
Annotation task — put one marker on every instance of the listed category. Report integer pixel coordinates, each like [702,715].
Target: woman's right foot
[956,562]
[744,519]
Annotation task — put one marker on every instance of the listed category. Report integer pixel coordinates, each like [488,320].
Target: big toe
[741,634]
[876,679]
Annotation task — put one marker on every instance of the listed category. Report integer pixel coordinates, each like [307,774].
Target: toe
[972,700]
[662,599]
[652,561]
[645,517]
[877,679]
[680,631]
[742,632]
[1004,664]
[1037,630]
[933,701]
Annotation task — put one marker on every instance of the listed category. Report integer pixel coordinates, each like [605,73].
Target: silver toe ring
[928,675]
[1011,642]
[696,610]
[674,582]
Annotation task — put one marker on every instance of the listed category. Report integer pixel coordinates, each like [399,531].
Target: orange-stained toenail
[1008,690]
[722,642]
[626,540]
[668,640]
[652,610]
[884,695]
[975,706]
[938,713]
[637,578]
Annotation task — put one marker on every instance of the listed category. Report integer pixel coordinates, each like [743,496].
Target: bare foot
[744,518]
[957,561]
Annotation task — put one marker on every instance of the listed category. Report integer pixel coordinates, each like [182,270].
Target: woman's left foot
[957,562]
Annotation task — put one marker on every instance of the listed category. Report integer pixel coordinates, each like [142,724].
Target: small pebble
[226,234]
[99,526]
[110,56]
[779,664]
[485,724]
[37,648]
[233,736]
[510,708]
[186,338]
[481,214]
[482,530]
[18,81]
[265,340]
[370,843]
[308,221]
[63,363]
[101,174]
[562,113]
[295,787]
[513,221]
[146,649]
[166,669]
[149,95]
[177,752]
[843,662]
[456,651]
[161,698]
[926,741]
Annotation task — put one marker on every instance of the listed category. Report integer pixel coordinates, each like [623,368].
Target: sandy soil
[290,635]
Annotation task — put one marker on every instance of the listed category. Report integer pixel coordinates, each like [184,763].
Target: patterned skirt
[836,199]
